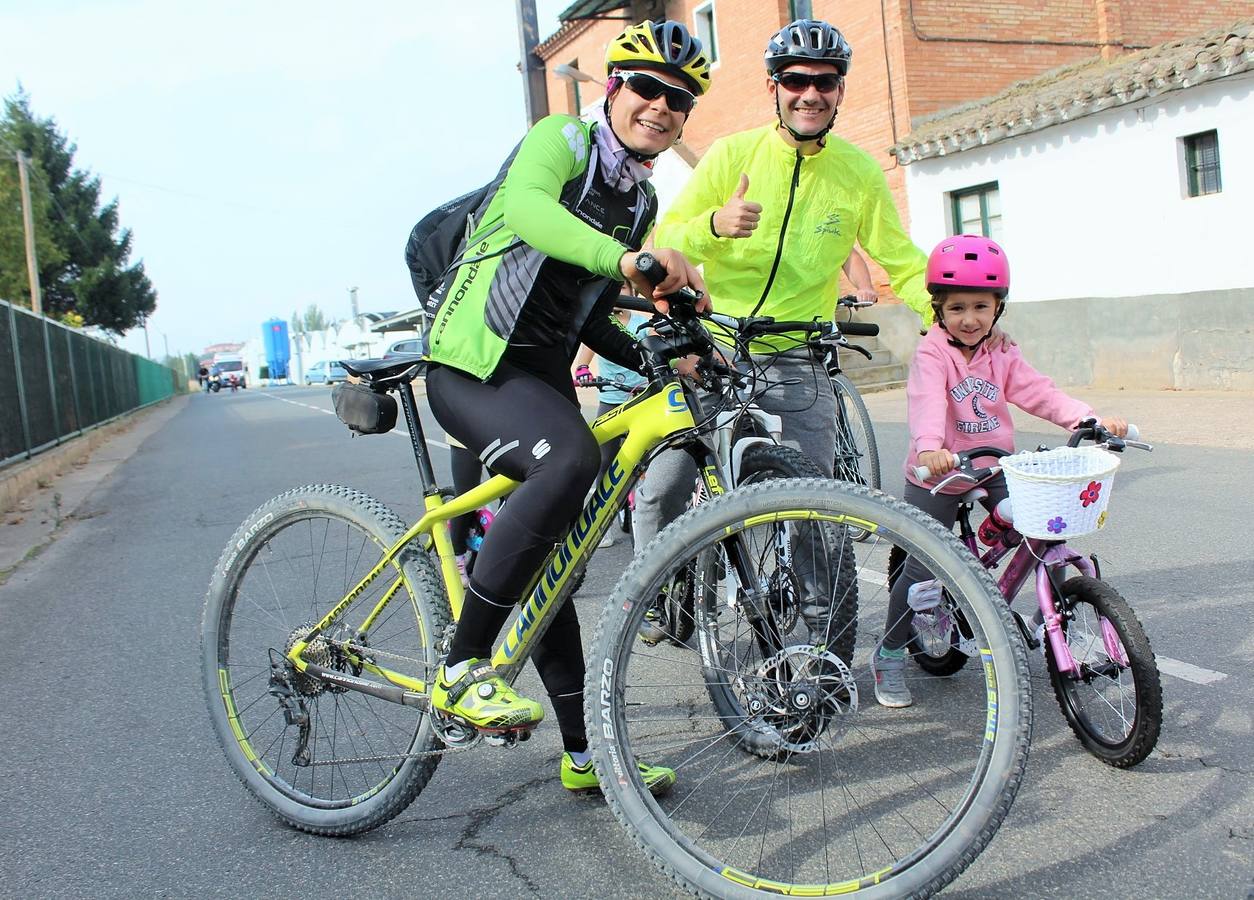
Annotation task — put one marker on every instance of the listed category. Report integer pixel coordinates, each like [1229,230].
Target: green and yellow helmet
[666,46]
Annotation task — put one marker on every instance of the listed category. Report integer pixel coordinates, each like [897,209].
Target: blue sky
[272,155]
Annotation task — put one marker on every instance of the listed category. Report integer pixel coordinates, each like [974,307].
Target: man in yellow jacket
[773,214]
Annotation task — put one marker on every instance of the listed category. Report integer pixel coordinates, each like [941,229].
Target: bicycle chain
[375,651]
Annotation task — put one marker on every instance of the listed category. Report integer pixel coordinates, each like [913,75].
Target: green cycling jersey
[534,211]
[814,208]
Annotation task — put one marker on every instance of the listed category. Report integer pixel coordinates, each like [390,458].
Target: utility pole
[352,300]
[28,223]
[535,93]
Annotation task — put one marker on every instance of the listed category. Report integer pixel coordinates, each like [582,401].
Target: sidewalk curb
[39,496]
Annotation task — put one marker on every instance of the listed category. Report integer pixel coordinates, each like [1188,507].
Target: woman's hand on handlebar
[679,274]
[938,462]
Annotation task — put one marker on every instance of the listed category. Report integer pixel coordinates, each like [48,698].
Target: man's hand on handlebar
[938,462]
[680,274]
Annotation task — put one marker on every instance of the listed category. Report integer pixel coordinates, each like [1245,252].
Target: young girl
[958,396]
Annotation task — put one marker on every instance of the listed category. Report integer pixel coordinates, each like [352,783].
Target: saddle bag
[363,409]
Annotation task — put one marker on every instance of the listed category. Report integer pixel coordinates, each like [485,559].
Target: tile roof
[1081,90]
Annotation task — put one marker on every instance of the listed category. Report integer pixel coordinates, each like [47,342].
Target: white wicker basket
[1061,493]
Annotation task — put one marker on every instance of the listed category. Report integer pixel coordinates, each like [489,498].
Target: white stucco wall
[1098,207]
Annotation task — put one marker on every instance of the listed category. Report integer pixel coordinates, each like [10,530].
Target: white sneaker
[607,541]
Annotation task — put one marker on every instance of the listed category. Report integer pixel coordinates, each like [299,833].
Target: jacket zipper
[783,229]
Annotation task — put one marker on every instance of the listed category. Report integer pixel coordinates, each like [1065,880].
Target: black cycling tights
[528,427]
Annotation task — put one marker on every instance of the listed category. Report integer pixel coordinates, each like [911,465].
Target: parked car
[407,347]
[326,372]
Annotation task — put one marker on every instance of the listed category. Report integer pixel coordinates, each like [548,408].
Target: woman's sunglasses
[799,82]
[646,87]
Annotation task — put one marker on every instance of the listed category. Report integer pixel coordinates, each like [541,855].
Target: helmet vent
[971,256]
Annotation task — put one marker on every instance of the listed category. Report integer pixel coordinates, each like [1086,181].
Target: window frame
[1191,152]
[710,45]
[955,206]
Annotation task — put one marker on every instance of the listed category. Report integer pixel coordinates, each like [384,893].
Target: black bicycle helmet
[808,40]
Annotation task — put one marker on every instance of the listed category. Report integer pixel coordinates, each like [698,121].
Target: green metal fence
[56,383]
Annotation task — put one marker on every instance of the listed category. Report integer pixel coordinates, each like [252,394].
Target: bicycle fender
[738,452]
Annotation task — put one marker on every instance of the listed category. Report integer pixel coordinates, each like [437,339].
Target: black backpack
[438,239]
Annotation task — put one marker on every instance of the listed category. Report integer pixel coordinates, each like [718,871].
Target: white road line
[872,576]
[1188,671]
[330,412]
[1168,666]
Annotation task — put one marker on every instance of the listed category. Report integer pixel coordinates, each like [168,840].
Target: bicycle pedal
[507,738]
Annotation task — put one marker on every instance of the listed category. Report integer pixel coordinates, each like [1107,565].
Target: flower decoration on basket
[1056,525]
[1091,493]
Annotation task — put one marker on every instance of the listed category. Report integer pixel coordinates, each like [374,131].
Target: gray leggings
[809,424]
[943,508]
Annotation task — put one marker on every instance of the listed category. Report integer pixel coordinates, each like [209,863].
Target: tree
[86,270]
[315,319]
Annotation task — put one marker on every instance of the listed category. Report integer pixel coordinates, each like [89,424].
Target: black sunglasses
[799,82]
[646,87]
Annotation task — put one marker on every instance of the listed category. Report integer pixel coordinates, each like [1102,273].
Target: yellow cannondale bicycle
[326,619]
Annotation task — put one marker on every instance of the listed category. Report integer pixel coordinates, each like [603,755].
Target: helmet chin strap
[634,154]
[798,136]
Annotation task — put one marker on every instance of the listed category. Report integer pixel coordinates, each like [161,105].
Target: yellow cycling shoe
[583,779]
[481,698]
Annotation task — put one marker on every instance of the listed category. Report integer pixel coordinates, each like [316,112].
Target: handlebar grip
[923,473]
[1134,433]
[635,304]
[859,329]
[648,266]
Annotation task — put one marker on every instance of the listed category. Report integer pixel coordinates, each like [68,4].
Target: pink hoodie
[955,405]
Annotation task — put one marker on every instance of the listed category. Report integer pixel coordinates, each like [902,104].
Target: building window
[703,19]
[1201,163]
[977,210]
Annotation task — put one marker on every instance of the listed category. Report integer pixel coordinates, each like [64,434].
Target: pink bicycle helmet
[968,262]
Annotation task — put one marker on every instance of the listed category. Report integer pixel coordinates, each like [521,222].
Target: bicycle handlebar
[1088,430]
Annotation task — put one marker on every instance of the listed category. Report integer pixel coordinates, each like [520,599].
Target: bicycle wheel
[863,799]
[1115,707]
[795,600]
[322,758]
[936,640]
[857,456]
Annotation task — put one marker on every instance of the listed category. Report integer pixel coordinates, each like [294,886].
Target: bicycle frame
[644,422]
[1043,557]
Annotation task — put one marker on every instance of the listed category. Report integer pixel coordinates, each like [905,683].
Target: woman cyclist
[558,232]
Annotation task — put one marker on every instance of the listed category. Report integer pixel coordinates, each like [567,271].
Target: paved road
[115,785]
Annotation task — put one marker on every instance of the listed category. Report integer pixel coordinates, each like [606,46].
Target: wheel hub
[799,693]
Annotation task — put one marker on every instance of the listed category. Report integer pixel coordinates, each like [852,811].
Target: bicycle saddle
[380,371]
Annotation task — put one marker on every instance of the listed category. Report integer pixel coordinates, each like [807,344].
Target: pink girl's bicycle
[1100,662]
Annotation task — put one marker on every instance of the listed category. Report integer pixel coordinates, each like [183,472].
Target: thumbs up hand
[738,217]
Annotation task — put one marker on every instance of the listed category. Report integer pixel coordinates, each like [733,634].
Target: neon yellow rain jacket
[813,208]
